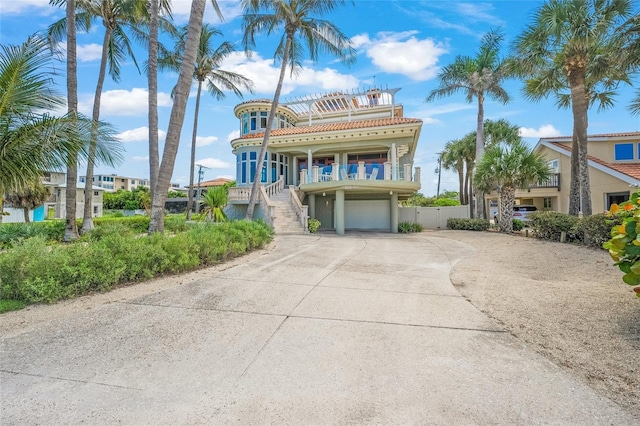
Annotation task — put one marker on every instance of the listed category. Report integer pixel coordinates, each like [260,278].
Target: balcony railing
[552,182]
[360,172]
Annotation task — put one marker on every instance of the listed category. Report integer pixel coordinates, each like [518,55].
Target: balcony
[552,182]
[359,172]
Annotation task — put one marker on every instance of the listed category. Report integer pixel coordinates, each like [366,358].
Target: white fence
[432,217]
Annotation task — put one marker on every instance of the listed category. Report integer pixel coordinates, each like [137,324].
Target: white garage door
[367,214]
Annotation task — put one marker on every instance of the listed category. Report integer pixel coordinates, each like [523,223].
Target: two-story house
[347,158]
[614,171]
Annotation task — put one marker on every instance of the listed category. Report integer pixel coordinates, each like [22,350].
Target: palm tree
[116,16]
[181,94]
[633,58]
[573,50]
[300,29]
[207,69]
[507,167]
[451,159]
[477,77]
[29,197]
[31,141]
[214,201]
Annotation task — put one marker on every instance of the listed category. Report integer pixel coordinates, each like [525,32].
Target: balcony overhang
[402,188]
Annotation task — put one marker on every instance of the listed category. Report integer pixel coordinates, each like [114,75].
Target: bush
[518,225]
[34,271]
[596,229]
[407,227]
[468,224]
[446,202]
[549,226]
[313,225]
[49,230]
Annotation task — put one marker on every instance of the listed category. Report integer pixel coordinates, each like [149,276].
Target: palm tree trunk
[87,219]
[580,191]
[479,200]
[71,226]
[265,141]
[177,116]
[460,169]
[193,151]
[153,94]
[506,195]
[25,210]
[1,204]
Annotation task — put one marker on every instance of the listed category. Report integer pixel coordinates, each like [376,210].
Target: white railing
[302,211]
[363,171]
[268,208]
[239,193]
[275,187]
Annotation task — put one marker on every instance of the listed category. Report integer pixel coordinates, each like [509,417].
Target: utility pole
[439,171]
[200,176]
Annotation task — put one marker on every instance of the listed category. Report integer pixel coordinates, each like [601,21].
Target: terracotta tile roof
[601,135]
[332,127]
[629,169]
[213,182]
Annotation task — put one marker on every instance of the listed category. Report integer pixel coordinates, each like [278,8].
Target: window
[243,167]
[254,122]
[263,120]
[623,151]
[96,193]
[554,166]
[245,123]
[252,165]
[616,198]
[547,202]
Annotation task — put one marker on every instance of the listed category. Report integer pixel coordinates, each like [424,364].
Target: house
[345,157]
[614,169]
[203,186]
[115,182]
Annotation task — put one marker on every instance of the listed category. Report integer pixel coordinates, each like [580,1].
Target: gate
[432,217]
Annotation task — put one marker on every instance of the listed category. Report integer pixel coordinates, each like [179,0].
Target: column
[340,212]
[309,163]
[394,213]
[394,162]
[407,173]
[312,206]
[295,171]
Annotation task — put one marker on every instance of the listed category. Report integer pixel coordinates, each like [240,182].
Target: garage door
[367,214]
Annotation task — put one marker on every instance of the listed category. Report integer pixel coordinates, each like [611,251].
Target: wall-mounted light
[390,192]
[324,194]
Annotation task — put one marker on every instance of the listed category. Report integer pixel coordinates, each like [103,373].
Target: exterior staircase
[285,220]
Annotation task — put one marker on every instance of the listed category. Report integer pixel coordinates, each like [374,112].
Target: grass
[11,305]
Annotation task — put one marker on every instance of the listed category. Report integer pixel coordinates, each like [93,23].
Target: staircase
[285,220]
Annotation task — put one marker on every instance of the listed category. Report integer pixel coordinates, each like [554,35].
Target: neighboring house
[349,156]
[207,184]
[55,206]
[114,182]
[614,169]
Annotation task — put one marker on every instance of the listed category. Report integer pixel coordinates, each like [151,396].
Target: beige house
[347,158]
[114,182]
[55,206]
[614,169]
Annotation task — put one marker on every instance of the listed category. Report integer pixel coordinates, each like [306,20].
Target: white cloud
[213,163]
[403,53]
[233,135]
[89,52]
[205,140]
[265,75]
[427,114]
[230,9]
[123,102]
[140,158]
[546,131]
[20,6]
[140,134]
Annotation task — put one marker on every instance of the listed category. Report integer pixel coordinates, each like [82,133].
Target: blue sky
[400,43]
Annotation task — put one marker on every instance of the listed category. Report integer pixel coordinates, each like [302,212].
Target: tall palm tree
[300,30]
[176,120]
[117,16]
[31,141]
[573,50]
[477,77]
[451,159]
[507,167]
[633,36]
[207,69]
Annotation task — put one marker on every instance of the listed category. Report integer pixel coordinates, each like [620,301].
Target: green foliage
[49,230]
[596,229]
[549,226]
[518,225]
[137,199]
[446,202]
[213,203]
[407,227]
[417,199]
[11,305]
[468,224]
[624,245]
[176,194]
[313,225]
[33,271]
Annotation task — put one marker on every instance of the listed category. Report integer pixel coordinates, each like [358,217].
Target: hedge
[468,224]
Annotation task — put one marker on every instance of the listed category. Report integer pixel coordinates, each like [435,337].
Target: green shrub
[446,202]
[313,225]
[407,227]
[549,226]
[468,224]
[50,230]
[11,305]
[518,225]
[596,229]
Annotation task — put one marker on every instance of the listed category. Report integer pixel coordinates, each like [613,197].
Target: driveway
[320,329]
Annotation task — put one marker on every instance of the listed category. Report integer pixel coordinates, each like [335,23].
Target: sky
[400,44]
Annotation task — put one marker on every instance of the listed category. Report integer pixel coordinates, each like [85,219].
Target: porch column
[340,212]
[295,171]
[361,171]
[309,163]
[407,173]
[394,162]
[394,213]
[312,206]
[335,170]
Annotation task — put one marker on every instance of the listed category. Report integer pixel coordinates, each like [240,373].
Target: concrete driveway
[364,328]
